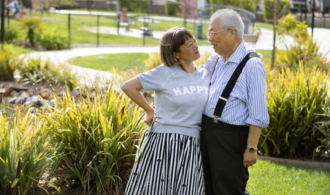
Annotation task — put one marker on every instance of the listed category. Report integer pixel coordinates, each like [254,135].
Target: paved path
[90,75]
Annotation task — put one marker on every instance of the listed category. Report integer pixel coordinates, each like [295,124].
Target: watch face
[251,149]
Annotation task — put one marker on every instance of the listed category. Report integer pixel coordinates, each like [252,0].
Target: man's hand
[151,116]
[250,158]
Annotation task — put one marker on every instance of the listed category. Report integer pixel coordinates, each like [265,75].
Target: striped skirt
[170,164]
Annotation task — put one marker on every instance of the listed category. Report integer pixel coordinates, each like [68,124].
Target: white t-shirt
[180,98]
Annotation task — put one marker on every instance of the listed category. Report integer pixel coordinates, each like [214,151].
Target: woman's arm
[132,89]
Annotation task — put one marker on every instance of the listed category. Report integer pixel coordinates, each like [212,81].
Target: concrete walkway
[89,76]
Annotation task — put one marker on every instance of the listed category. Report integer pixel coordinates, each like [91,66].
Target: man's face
[220,40]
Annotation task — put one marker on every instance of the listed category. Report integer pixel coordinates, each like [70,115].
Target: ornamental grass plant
[26,153]
[9,62]
[39,71]
[295,98]
[98,139]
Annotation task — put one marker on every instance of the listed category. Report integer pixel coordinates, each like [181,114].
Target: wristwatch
[251,149]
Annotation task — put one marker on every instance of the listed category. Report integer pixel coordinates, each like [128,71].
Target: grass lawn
[266,55]
[59,23]
[106,62]
[264,25]
[124,61]
[279,178]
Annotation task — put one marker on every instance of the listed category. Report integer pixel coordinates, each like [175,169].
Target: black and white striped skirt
[170,164]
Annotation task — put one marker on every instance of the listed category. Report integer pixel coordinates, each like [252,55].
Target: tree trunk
[31,37]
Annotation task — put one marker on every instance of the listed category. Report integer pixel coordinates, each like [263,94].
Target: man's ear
[232,31]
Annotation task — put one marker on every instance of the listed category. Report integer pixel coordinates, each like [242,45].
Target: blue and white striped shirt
[247,104]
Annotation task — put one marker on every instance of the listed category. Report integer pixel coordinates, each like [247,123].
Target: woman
[170,161]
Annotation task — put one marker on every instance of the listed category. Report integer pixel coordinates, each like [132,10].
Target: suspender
[230,85]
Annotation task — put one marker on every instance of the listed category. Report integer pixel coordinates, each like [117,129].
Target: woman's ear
[176,55]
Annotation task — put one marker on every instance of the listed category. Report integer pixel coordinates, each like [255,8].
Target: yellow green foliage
[38,71]
[32,24]
[303,51]
[9,62]
[294,100]
[153,61]
[98,138]
[25,153]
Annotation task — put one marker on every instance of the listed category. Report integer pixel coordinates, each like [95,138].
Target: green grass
[264,25]
[59,23]
[125,61]
[121,62]
[266,55]
[280,178]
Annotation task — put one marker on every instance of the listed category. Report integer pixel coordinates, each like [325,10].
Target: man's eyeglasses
[211,34]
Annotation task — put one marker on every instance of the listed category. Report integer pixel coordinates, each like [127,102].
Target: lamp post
[2,37]
[313,16]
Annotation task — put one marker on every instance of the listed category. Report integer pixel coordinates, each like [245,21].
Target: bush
[304,50]
[244,4]
[135,6]
[324,127]
[25,154]
[172,8]
[38,71]
[284,8]
[31,24]
[98,140]
[9,62]
[52,40]
[11,34]
[293,99]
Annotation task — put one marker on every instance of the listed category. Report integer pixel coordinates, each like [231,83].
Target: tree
[188,9]
[31,24]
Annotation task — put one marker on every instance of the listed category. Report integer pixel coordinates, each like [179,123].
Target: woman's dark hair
[171,42]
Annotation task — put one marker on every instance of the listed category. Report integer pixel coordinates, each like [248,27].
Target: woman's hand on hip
[151,116]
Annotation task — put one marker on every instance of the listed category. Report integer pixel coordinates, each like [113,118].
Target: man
[229,141]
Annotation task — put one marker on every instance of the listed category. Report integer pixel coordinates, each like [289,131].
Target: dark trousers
[222,147]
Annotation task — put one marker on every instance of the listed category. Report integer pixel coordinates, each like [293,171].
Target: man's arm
[257,106]
[250,158]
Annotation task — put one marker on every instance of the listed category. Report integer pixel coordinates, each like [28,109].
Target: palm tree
[31,24]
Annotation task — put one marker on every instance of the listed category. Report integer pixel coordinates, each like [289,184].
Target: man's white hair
[229,19]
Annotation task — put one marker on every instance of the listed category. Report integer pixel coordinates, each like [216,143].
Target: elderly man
[236,110]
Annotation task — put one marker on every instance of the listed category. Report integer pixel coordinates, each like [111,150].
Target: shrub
[25,154]
[9,62]
[38,71]
[135,6]
[98,139]
[11,34]
[244,4]
[323,150]
[153,61]
[293,99]
[284,8]
[31,24]
[52,40]
[172,8]
[303,50]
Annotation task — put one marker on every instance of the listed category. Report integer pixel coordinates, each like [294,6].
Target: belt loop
[215,119]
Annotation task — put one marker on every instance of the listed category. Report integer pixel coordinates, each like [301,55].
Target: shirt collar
[236,57]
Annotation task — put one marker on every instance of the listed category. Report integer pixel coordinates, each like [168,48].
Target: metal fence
[320,21]
[247,16]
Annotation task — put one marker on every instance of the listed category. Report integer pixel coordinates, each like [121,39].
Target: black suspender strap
[230,85]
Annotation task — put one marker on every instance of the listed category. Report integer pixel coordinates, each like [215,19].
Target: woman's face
[188,51]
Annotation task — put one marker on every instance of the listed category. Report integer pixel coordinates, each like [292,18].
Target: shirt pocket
[239,91]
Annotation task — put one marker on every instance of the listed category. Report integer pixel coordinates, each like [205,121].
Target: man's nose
[210,38]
